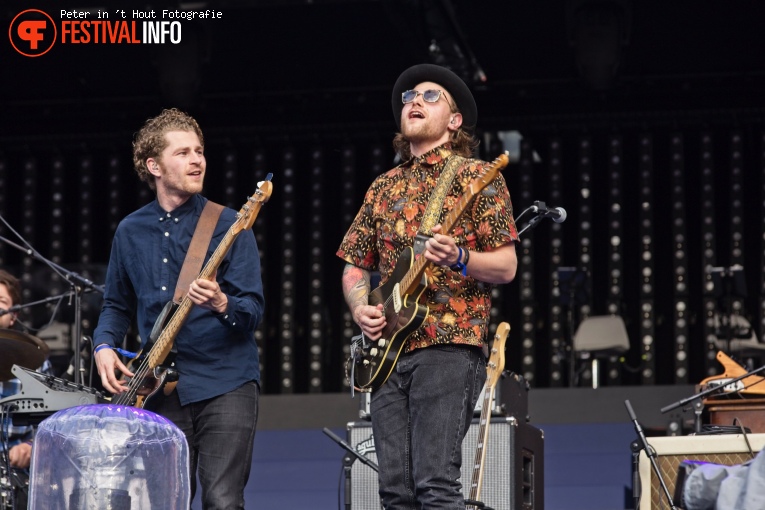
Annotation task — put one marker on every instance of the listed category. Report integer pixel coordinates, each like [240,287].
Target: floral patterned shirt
[389,220]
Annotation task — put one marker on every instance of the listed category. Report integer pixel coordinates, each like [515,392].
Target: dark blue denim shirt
[217,353]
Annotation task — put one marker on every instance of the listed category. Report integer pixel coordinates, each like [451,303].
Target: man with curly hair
[215,402]
[423,410]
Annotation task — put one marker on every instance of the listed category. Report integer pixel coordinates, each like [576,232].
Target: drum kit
[28,351]
[20,349]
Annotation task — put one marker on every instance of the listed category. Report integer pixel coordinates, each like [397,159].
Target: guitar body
[162,377]
[747,386]
[403,315]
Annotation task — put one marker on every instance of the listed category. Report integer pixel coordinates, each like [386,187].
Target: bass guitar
[494,369]
[371,363]
[155,367]
[750,385]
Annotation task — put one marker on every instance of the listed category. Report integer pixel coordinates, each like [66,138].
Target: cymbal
[20,349]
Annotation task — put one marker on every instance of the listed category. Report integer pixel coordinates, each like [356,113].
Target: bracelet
[467,257]
[459,266]
[101,346]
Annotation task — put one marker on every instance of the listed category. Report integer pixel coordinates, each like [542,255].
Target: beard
[421,131]
[178,183]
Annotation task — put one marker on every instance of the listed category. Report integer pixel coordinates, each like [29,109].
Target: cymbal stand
[79,285]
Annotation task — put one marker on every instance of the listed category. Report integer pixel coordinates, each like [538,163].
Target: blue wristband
[127,354]
[459,266]
[101,346]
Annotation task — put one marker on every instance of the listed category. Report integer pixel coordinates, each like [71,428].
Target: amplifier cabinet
[728,449]
[513,477]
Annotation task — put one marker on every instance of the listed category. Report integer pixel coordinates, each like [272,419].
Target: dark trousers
[419,418]
[220,432]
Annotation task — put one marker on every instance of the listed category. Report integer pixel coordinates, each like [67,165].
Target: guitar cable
[736,428]
[5,422]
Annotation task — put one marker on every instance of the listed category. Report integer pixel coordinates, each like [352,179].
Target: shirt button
[233,323]
[225,316]
[176,220]
[164,288]
[167,234]
[168,215]
[164,260]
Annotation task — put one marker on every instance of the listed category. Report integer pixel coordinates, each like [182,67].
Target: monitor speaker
[671,451]
[513,476]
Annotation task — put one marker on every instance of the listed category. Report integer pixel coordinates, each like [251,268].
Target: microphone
[84,356]
[557,214]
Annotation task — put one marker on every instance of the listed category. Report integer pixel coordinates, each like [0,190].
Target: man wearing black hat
[422,411]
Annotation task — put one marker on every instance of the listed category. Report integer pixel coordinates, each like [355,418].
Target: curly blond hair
[150,140]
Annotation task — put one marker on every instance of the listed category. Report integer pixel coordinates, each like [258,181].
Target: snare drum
[13,489]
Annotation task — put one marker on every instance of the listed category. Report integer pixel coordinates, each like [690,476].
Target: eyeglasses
[430,96]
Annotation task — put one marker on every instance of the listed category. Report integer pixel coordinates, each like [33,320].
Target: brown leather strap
[195,255]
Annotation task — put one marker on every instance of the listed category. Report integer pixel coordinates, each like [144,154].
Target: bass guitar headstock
[249,211]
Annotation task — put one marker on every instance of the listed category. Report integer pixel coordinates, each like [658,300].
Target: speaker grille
[497,487]
[729,449]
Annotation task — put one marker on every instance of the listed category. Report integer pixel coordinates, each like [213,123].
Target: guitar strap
[195,255]
[436,202]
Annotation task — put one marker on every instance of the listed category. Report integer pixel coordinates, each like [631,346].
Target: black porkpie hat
[444,77]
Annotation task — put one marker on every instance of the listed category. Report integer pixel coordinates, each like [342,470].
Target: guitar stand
[650,453]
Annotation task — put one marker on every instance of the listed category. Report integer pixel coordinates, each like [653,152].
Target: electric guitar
[155,365]
[371,363]
[494,369]
[750,385]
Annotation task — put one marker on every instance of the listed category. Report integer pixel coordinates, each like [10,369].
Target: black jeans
[220,432]
[419,418]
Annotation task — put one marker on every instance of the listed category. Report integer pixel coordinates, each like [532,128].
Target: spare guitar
[372,363]
[154,366]
[494,369]
[752,385]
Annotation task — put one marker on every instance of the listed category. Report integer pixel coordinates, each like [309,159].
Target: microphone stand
[699,406]
[79,285]
[348,462]
[533,222]
[650,453]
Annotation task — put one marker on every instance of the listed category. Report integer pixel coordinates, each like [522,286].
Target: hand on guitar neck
[441,249]
[207,294]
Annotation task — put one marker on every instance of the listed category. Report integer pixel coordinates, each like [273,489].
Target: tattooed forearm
[356,286]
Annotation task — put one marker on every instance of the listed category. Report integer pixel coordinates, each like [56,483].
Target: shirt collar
[189,206]
[433,157]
